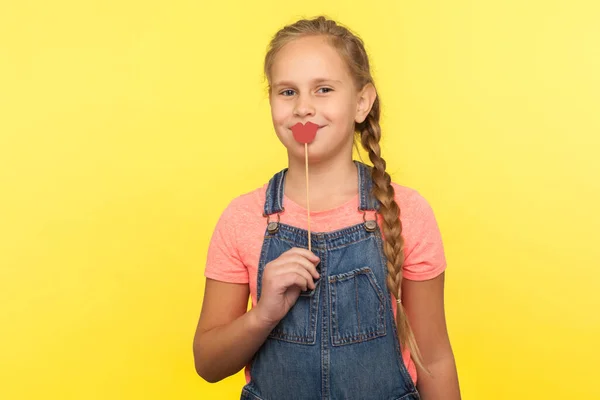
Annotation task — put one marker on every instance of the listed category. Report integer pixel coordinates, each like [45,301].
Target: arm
[227,336]
[424,305]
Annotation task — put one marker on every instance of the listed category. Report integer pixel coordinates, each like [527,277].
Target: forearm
[442,384]
[225,350]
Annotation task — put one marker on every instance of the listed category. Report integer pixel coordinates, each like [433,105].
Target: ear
[366,98]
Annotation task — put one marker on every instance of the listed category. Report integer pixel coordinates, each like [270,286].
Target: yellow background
[127,127]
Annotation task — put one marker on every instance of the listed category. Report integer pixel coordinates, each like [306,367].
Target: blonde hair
[352,50]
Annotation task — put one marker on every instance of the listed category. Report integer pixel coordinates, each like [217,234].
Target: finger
[297,269]
[294,279]
[304,253]
[301,260]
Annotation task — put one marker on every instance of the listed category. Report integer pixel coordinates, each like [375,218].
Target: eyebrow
[313,82]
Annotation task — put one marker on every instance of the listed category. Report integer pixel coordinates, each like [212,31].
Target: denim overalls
[339,340]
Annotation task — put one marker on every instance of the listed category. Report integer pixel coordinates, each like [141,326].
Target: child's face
[311,82]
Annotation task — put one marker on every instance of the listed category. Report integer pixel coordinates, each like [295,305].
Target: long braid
[393,245]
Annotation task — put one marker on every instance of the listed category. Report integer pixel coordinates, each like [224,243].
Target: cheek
[279,112]
[280,117]
[340,113]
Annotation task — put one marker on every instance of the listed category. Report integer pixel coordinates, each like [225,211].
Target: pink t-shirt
[235,246]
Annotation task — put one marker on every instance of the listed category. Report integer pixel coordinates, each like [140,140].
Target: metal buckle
[273,227]
[370,225]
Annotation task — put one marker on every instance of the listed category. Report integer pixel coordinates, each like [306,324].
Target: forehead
[309,58]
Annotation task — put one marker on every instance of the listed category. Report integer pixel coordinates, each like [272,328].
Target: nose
[304,106]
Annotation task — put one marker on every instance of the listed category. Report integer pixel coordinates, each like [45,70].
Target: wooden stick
[307,203]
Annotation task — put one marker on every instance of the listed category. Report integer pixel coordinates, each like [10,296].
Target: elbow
[202,366]
[204,374]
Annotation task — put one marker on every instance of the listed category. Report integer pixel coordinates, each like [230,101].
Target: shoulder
[412,204]
[249,203]
[226,258]
[424,250]
[243,210]
[235,226]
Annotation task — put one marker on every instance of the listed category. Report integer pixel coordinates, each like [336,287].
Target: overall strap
[274,196]
[368,202]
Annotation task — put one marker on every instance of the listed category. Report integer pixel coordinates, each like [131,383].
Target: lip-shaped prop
[305,133]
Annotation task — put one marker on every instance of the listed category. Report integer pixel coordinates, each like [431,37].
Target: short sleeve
[223,262]
[424,251]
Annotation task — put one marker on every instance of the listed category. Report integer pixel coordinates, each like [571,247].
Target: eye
[325,90]
[287,92]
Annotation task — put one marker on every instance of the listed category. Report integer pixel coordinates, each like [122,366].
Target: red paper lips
[305,133]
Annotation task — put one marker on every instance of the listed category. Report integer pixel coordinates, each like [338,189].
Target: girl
[360,314]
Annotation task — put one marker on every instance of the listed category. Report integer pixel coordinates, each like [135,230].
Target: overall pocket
[357,307]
